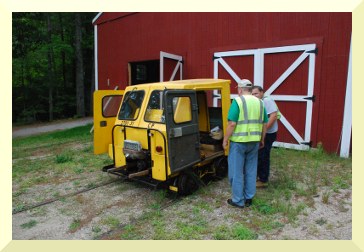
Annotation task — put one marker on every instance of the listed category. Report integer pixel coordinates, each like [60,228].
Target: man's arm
[229,131]
[272,119]
[264,131]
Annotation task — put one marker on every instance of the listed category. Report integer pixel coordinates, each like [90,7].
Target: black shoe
[230,202]
[248,202]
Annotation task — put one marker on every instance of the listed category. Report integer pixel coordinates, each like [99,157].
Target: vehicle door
[182,128]
[106,107]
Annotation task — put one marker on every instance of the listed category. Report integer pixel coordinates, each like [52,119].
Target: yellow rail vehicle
[161,135]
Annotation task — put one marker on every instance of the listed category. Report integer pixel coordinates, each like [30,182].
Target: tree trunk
[80,96]
[50,69]
[63,54]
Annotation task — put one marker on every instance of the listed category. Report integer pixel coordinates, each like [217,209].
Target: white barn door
[306,51]
[178,67]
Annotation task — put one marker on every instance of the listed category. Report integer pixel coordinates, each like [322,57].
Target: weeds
[29,224]
[240,232]
[75,225]
[111,221]
[321,221]
[130,233]
[236,232]
[63,158]
[325,197]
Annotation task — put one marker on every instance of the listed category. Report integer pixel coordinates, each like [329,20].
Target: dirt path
[29,130]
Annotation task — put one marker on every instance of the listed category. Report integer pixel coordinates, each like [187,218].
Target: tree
[80,98]
[51,77]
[52,65]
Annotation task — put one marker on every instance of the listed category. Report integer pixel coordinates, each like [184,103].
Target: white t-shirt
[271,107]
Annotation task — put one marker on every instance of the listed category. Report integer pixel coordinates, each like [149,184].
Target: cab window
[182,109]
[110,105]
[155,108]
[130,107]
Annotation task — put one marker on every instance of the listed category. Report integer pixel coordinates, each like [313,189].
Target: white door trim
[96,56]
[347,120]
[179,65]
[308,51]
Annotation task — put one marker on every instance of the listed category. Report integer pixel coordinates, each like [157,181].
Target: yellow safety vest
[250,123]
[278,112]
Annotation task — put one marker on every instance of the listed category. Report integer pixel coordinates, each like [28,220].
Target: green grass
[130,233]
[54,138]
[29,224]
[298,177]
[52,159]
[236,232]
[75,225]
[63,158]
[111,221]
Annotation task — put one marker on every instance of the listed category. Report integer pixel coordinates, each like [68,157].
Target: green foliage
[44,62]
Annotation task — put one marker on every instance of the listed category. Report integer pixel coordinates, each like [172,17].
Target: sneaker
[230,202]
[261,184]
[248,202]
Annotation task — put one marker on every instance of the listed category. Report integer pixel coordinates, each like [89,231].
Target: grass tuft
[29,224]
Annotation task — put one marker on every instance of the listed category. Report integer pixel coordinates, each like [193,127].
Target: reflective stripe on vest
[250,123]
[278,112]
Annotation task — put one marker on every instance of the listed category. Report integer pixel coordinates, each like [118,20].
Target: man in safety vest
[270,137]
[246,131]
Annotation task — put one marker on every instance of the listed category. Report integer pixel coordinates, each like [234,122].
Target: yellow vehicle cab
[161,133]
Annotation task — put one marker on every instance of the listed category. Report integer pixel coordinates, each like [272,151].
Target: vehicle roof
[185,84]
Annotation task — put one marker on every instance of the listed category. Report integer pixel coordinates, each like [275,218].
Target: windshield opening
[155,108]
[131,105]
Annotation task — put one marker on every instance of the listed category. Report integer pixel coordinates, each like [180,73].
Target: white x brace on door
[179,65]
[308,51]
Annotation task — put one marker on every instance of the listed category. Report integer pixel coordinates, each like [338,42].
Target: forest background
[52,67]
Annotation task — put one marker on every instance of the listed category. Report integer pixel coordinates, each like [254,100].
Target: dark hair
[259,88]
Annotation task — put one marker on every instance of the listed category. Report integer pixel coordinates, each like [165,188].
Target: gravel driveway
[29,130]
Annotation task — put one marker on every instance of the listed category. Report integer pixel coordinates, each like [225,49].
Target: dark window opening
[144,72]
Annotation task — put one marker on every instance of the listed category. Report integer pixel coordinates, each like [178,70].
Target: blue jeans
[243,159]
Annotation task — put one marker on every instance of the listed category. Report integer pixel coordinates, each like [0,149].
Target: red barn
[303,60]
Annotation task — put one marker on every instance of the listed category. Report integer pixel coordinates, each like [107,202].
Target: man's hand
[225,144]
[261,144]
[229,131]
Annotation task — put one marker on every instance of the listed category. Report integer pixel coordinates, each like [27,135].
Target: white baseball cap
[245,83]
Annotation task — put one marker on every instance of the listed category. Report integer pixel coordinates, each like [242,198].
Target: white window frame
[179,65]
[308,51]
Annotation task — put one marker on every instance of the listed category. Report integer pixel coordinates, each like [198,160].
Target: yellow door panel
[106,107]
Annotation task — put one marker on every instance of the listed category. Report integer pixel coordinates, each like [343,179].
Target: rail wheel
[221,167]
[186,184]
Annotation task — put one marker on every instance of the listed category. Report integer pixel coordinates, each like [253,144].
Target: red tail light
[159,148]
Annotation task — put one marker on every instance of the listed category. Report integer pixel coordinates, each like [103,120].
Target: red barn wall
[128,37]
